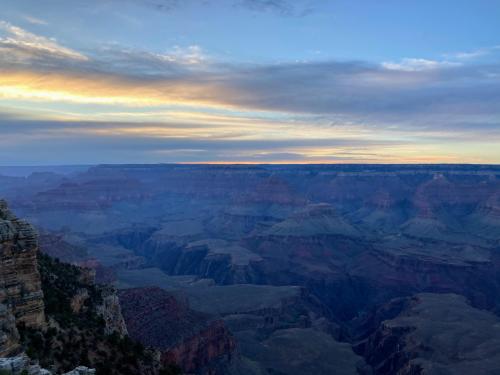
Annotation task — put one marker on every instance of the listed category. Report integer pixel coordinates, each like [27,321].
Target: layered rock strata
[21,296]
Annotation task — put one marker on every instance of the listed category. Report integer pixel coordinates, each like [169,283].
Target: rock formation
[433,334]
[19,277]
[21,296]
[191,340]
[21,364]
[110,311]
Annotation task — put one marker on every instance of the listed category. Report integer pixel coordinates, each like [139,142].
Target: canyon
[277,269]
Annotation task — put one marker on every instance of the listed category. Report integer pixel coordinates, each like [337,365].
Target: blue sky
[305,81]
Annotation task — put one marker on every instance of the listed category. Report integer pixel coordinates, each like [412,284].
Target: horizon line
[244,163]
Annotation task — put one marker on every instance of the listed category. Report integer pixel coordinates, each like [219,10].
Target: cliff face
[433,334]
[204,351]
[191,340]
[21,295]
[9,336]
[110,311]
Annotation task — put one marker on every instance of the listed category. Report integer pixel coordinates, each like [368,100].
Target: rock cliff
[110,311]
[433,334]
[192,340]
[21,295]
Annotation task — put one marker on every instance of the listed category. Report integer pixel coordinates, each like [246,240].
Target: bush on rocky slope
[79,337]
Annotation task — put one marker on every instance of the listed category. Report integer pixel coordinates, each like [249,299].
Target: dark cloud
[295,8]
[354,87]
[47,140]
[163,5]
[67,129]
[281,7]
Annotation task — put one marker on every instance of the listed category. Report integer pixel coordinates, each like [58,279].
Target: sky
[249,81]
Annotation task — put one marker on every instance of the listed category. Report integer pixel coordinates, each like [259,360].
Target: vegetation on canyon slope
[79,338]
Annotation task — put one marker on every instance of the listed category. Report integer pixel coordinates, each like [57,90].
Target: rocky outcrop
[21,296]
[110,311]
[78,300]
[20,285]
[433,334]
[84,327]
[191,340]
[21,364]
[72,290]
[81,370]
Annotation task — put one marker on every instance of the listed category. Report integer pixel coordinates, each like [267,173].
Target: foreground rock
[21,364]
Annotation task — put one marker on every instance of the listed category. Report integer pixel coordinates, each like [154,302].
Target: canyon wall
[192,340]
[21,296]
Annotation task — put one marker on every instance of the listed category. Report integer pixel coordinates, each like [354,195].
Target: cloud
[160,5]
[474,54]
[332,83]
[294,8]
[413,65]
[281,7]
[221,105]
[18,45]
[163,5]
[427,95]
[111,142]
[35,20]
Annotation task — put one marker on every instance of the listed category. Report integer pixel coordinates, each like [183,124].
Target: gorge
[271,269]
